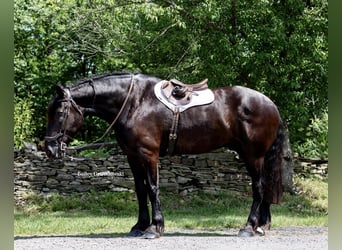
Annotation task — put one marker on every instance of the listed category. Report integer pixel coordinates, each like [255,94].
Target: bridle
[62,146]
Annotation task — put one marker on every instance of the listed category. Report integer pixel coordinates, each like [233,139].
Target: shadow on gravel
[122,235]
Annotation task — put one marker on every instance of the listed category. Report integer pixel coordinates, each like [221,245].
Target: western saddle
[180,93]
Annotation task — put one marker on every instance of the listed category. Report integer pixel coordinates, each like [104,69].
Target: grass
[115,213]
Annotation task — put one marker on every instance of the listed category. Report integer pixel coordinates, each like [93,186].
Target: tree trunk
[287,163]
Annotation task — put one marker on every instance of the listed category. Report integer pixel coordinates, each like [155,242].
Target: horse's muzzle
[53,149]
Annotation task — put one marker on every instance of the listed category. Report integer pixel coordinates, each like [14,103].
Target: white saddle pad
[202,97]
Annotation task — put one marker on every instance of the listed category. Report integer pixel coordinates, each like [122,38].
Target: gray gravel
[277,238]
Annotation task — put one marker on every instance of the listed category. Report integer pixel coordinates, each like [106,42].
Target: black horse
[239,118]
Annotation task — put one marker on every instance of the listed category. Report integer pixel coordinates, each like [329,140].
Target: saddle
[179,93]
[179,97]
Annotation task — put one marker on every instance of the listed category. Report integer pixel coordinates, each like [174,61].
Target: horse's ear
[60,90]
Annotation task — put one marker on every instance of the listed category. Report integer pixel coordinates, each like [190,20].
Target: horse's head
[65,117]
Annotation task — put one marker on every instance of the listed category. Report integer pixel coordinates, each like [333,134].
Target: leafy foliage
[23,130]
[316,140]
[277,47]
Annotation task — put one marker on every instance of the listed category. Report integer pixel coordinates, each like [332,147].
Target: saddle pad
[198,98]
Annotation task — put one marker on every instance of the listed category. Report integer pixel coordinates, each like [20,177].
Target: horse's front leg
[139,174]
[150,159]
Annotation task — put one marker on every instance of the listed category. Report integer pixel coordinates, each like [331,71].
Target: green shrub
[316,142]
[24,128]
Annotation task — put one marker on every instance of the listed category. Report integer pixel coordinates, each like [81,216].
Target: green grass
[62,223]
[116,213]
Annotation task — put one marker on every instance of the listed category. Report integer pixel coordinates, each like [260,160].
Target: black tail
[273,169]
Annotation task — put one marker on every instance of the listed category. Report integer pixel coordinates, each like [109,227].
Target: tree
[38,26]
[277,47]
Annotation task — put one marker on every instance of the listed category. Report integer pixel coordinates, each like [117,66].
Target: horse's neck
[83,94]
[100,99]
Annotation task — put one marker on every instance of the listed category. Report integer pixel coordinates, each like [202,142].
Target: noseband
[62,132]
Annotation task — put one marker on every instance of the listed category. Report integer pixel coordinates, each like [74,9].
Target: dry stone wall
[218,170]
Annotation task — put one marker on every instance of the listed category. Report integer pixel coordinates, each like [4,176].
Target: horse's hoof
[136,233]
[150,235]
[246,232]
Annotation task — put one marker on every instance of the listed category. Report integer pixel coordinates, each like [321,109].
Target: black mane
[97,77]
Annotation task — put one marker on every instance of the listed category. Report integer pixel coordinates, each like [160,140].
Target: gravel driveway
[278,238]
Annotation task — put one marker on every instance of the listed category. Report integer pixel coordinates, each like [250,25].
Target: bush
[24,129]
[316,143]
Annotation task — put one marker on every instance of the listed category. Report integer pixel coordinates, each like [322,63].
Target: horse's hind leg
[259,210]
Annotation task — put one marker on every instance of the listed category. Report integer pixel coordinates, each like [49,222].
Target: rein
[120,111]
[71,102]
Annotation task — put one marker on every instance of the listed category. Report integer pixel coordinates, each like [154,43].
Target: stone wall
[311,167]
[219,170]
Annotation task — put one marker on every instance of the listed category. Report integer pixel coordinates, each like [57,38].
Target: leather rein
[71,103]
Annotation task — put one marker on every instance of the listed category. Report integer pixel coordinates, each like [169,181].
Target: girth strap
[173,131]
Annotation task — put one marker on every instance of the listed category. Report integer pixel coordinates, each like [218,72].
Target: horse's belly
[200,143]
